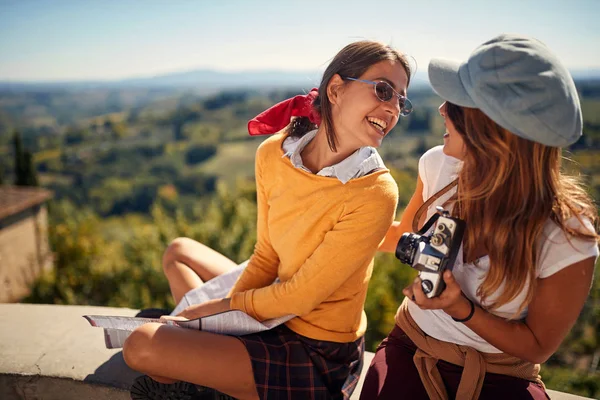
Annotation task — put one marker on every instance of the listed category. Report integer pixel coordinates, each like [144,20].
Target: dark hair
[352,61]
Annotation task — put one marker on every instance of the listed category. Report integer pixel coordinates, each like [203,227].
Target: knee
[137,349]
[173,252]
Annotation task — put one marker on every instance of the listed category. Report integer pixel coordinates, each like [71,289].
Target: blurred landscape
[135,163]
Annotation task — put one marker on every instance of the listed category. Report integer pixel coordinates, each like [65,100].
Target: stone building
[24,249]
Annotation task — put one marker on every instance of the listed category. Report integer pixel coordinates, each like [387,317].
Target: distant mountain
[212,79]
[202,79]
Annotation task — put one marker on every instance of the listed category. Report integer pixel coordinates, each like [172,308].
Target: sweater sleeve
[263,264]
[348,247]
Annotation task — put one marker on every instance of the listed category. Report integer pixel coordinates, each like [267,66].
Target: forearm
[394,234]
[551,314]
[405,224]
[556,304]
[511,337]
[259,272]
[391,238]
[210,307]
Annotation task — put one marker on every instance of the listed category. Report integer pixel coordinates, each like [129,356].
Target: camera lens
[427,286]
[437,240]
[443,229]
[407,247]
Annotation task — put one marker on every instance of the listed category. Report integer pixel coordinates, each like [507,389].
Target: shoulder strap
[425,206]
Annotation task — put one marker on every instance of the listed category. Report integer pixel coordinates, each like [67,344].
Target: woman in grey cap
[529,248]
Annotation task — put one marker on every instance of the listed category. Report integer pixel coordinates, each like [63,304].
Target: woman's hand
[451,300]
[167,318]
[208,308]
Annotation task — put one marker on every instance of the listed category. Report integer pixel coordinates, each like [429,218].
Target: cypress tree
[30,174]
[25,173]
[19,160]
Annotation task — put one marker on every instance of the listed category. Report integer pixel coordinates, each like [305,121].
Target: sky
[61,40]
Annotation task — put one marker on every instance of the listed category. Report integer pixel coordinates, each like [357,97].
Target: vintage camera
[434,254]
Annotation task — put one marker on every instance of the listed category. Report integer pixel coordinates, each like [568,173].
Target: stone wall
[24,251]
[51,352]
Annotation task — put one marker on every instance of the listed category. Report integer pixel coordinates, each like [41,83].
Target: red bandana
[278,117]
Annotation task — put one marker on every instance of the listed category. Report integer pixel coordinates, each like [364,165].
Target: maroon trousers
[393,375]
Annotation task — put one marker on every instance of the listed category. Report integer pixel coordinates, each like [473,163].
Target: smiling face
[359,117]
[454,145]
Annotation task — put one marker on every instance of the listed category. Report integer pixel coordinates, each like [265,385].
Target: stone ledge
[50,352]
[13,387]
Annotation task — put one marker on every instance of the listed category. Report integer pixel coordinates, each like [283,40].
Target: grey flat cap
[517,82]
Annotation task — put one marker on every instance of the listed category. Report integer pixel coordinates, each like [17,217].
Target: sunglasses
[385,92]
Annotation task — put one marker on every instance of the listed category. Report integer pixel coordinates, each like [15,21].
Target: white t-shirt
[436,170]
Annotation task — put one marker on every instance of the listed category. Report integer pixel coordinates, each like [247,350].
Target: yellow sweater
[319,237]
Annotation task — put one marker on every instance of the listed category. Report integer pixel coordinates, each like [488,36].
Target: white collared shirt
[359,163]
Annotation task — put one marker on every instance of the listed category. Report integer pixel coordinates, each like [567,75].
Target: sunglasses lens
[402,104]
[384,91]
[406,107]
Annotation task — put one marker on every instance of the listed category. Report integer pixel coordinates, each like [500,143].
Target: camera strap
[428,224]
[425,206]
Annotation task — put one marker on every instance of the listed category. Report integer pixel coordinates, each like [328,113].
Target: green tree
[118,263]
[75,136]
[30,174]
[108,124]
[119,130]
[19,155]
[81,267]
[419,120]
[200,153]
[178,132]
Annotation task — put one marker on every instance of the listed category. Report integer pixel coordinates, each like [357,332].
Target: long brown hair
[352,61]
[508,187]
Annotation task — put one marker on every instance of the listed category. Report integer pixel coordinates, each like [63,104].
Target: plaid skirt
[287,365]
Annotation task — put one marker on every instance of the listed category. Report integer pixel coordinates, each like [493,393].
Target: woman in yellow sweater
[529,247]
[325,202]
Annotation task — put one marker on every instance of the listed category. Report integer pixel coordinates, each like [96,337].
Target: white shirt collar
[359,163]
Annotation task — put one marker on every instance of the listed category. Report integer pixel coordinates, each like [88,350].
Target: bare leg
[202,358]
[188,264]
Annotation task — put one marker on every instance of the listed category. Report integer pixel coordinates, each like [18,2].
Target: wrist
[462,311]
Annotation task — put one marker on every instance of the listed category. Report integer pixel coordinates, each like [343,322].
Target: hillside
[135,165]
